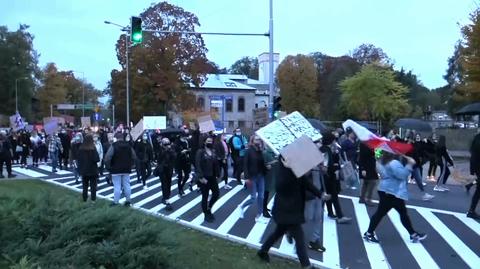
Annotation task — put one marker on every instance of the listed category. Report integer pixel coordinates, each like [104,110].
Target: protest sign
[137,130]
[51,127]
[206,124]
[282,132]
[60,120]
[86,122]
[154,122]
[302,155]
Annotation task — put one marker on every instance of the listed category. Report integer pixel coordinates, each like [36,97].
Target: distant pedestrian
[240,145]
[6,155]
[54,150]
[475,170]
[271,162]
[432,157]
[222,151]
[144,153]
[36,142]
[183,163]
[165,166]
[119,160]
[368,174]
[394,171]
[88,160]
[207,171]
[444,161]
[73,156]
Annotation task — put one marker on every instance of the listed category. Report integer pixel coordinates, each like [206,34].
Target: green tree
[297,80]
[245,66]
[51,91]
[18,61]
[163,66]
[373,94]
[469,89]
[330,72]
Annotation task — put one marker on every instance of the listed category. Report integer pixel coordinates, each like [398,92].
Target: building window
[229,105]
[241,104]
[231,124]
[201,103]
[241,124]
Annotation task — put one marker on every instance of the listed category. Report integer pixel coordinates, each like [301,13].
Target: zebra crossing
[453,240]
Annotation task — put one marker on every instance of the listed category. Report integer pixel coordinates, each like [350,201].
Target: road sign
[65,106]
[260,116]
[86,106]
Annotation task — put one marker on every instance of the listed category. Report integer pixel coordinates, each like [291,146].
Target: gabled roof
[215,81]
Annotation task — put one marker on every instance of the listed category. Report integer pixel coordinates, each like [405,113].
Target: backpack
[231,147]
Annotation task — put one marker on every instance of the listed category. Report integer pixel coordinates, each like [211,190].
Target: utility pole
[128,81]
[270,65]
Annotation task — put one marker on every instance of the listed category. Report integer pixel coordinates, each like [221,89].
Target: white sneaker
[424,183]
[241,212]
[261,219]
[427,196]
[145,187]
[438,188]
[227,187]
[411,181]
[445,188]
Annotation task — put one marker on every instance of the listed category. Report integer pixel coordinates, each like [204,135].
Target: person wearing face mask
[221,149]
[66,143]
[54,149]
[99,148]
[144,152]
[240,145]
[35,141]
[182,164]
[75,146]
[255,170]
[207,170]
[418,154]
[165,165]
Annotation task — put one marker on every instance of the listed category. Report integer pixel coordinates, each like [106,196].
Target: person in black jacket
[207,171]
[289,211]
[475,170]
[6,154]
[183,165]
[255,170]
[444,160]
[144,153]
[66,143]
[119,160]
[165,164]
[368,172]
[332,184]
[88,168]
[419,154]
[221,149]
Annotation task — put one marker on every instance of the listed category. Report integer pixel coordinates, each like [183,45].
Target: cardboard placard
[282,132]
[206,124]
[137,130]
[302,155]
[86,122]
[60,120]
[110,136]
[154,122]
[51,127]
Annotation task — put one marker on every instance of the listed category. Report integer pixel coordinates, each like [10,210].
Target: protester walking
[24,142]
[66,143]
[289,211]
[332,184]
[419,154]
[54,150]
[144,153]
[221,150]
[254,171]
[183,164]
[119,160]
[207,171]
[432,157]
[165,165]
[368,174]
[240,145]
[394,171]
[88,159]
[271,163]
[444,161]
[99,148]
[6,154]
[73,156]
[475,170]
[35,142]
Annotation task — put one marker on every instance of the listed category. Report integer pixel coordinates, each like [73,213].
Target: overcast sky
[418,35]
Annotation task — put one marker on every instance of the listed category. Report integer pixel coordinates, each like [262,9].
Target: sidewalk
[459,154]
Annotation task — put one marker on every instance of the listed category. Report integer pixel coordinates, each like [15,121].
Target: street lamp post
[16,92]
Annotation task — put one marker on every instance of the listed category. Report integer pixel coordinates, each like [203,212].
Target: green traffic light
[137,37]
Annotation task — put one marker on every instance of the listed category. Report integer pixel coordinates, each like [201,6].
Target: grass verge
[46,226]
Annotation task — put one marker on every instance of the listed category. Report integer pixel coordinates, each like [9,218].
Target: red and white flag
[375,142]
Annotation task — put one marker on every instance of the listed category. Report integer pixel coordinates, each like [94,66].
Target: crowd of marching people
[201,161]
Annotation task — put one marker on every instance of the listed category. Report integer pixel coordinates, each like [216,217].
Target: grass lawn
[50,227]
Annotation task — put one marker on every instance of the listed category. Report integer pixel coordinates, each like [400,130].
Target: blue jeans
[314,217]
[417,175]
[54,157]
[256,193]
[121,181]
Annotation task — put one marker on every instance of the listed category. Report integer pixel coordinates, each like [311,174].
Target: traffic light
[277,106]
[136,35]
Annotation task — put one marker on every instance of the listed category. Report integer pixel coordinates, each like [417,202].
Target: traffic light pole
[128,81]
